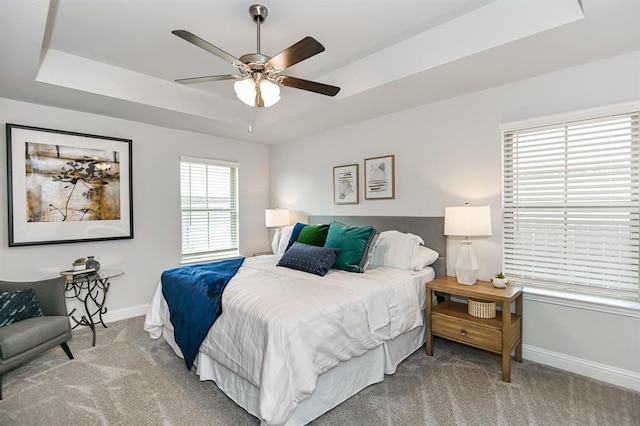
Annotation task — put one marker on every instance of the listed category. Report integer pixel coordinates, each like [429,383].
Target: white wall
[156,200]
[448,153]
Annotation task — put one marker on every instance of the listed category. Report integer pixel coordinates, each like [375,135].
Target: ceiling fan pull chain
[252,119]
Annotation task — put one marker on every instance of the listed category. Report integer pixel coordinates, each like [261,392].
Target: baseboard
[121,314]
[615,376]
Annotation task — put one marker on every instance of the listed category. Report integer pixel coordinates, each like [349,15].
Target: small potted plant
[79,264]
[499,281]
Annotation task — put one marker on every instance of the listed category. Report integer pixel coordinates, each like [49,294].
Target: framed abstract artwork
[379,178]
[345,184]
[67,187]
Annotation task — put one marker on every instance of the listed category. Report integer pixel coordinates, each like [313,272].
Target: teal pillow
[355,242]
[314,235]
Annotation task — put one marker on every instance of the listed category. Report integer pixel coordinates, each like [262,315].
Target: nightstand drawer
[467,332]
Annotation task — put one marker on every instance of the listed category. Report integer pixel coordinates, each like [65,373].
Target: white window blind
[209,202]
[571,206]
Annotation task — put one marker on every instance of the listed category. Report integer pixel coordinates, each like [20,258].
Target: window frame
[559,119]
[233,250]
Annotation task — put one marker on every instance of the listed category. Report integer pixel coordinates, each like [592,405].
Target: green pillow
[314,235]
[355,242]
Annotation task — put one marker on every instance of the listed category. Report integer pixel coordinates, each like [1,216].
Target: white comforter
[280,328]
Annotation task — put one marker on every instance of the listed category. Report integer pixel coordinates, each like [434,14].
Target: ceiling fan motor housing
[255,58]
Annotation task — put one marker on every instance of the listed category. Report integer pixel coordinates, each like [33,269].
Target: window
[209,202]
[571,205]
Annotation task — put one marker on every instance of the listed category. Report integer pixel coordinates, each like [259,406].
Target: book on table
[71,275]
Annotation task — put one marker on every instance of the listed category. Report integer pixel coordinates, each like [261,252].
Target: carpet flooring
[131,379]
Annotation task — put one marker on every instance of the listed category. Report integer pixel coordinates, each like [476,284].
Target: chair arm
[50,293]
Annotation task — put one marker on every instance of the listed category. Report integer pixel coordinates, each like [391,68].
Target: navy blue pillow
[295,233]
[307,258]
[18,306]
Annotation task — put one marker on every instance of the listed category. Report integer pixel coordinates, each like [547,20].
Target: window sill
[195,261]
[583,301]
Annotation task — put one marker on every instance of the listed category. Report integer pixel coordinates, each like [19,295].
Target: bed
[289,345]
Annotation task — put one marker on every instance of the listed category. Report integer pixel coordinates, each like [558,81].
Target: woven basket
[481,309]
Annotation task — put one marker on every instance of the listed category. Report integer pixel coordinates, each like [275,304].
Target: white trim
[584,114]
[125,313]
[201,160]
[583,301]
[615,376]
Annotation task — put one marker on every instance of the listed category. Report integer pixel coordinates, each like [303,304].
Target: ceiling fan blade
[311,86]
[207,78]
[304,49]
[203,44]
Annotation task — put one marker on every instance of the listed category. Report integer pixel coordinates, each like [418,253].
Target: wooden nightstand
[450,319]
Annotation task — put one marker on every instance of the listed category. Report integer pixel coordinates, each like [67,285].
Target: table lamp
[467,221]
[275,218]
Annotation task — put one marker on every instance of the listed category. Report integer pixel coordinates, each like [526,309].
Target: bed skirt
[333,387]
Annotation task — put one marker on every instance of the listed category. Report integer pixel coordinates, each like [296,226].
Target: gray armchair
[22,341]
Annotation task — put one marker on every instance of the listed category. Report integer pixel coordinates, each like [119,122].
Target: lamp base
[276,240]
[467,265]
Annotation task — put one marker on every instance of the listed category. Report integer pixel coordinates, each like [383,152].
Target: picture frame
[379,178]
[67,187]
[346,184]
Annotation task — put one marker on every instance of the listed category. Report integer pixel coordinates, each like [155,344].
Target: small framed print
[379,178]
[345,184]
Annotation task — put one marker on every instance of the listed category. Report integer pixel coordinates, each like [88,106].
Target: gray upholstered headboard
[431,229]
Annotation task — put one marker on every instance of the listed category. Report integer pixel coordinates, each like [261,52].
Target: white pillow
[402,251]
[425,257]
[284,238]
[396,250]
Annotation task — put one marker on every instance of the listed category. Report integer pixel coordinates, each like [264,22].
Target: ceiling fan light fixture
[246,91]
[270,93]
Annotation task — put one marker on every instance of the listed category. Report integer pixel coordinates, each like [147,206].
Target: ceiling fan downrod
[257,60]
[259,14]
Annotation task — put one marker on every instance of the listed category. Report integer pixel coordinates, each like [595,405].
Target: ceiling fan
[257,83]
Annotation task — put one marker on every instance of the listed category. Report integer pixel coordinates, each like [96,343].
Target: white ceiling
[119,58]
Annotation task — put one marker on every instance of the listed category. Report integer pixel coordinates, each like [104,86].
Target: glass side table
[91,290]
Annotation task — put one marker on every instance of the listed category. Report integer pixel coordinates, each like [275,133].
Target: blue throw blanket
[194,296]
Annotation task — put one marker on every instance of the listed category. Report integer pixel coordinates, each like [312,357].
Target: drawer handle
[463,333]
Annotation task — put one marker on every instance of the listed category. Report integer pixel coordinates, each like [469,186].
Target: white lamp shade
[467,221]
[270,93]
[246,91]
[274,218]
